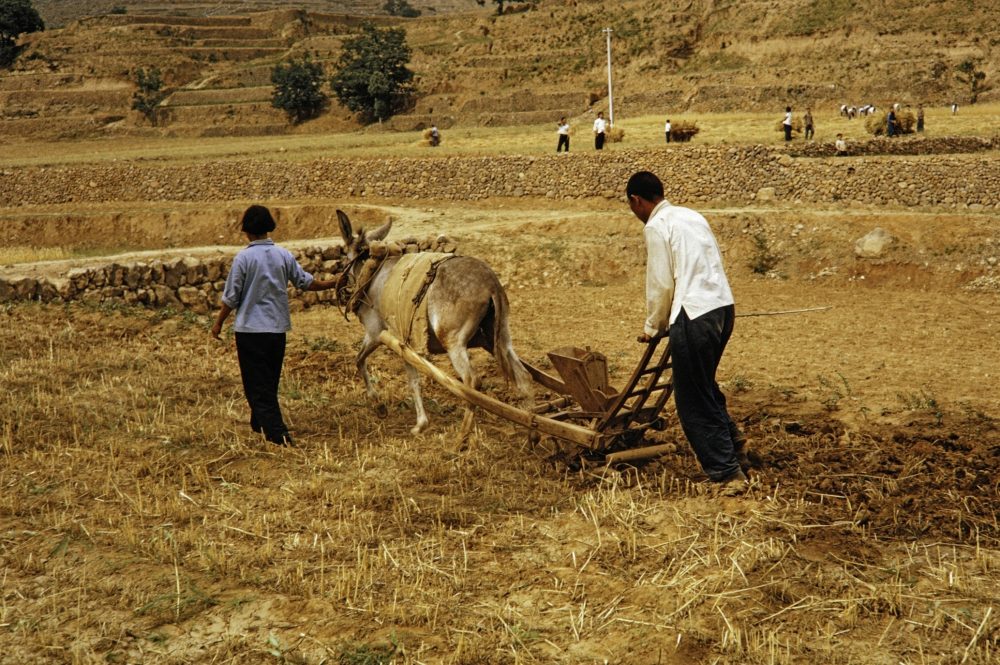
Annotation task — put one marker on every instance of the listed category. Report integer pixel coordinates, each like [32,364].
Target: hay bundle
[615,135]
[797,126]
[906,122]
[683,131]
[428,140]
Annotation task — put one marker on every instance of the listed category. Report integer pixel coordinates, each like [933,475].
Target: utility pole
[611,103]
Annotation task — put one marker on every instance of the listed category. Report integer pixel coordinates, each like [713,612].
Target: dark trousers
[788,132]
[696,347]
[599,141]
[668,136]
[563,142]
[809,132]
[261,356]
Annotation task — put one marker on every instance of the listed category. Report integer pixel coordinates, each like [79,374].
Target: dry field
[140,522]
[640,132]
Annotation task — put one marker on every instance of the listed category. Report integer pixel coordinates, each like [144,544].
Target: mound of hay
[797,126]
[906,122]
[428,141]
[615,135]
[683,131]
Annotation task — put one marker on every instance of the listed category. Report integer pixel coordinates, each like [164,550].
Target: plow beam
[562,430]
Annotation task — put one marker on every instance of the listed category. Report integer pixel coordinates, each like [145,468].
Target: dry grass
[139,521]
[21,254]
[641,132]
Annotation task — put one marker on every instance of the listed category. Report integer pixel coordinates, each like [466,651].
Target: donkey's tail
[503,349]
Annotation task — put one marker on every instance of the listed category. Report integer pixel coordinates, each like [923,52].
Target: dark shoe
[283,439]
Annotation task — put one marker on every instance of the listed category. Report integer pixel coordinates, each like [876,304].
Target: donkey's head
[356,243]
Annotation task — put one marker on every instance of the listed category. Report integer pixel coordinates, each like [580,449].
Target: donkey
[466,308]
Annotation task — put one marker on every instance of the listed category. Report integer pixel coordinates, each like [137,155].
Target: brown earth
[140,521]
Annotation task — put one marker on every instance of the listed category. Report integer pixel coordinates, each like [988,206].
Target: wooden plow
[587,411]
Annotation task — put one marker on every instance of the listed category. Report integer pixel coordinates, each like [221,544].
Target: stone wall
[184,282]
[690,173]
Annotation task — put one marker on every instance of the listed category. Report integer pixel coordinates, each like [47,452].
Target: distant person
[954,108]
[841,146]
[688,300]
[786,124]
[257,290]
[666,130]
[890,123]
[435,136]
[600,129]
[563,132]
[808,120]
[920,117]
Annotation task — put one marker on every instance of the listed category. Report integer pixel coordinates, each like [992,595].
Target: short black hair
[258,220]
[645,185]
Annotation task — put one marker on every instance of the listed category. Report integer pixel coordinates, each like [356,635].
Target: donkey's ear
[381,232]
[346,232]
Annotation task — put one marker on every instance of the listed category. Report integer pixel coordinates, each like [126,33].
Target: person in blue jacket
[257,290]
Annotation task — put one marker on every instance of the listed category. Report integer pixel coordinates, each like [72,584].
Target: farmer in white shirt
[600,127]
[666,130]
[688,298]
[563,132]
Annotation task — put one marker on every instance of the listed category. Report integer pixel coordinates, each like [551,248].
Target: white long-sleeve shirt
[683,267]
[600,125]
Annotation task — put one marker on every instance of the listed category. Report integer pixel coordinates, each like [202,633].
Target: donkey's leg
[459,356]
[418,402]
[368,344]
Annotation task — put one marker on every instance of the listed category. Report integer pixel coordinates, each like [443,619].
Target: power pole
[611,103]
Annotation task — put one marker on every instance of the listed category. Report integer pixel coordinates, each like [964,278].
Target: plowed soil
[141,521]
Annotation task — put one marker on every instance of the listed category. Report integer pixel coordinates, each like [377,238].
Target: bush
[616,135]
[683,131]
[372,78]
[16,18]
[400,8]
[297,89]
[146,99]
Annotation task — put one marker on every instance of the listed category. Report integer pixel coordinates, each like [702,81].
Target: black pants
[563,142]
[599,141]
[696,347]
[261,356]
[809,132]
[788,132]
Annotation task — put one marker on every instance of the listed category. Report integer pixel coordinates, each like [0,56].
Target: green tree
[149,93]
[400,8]
[372,78]
[298,88]
[970,74]
[16,18]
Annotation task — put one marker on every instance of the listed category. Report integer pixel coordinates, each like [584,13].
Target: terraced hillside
[59,13]
[473,67]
